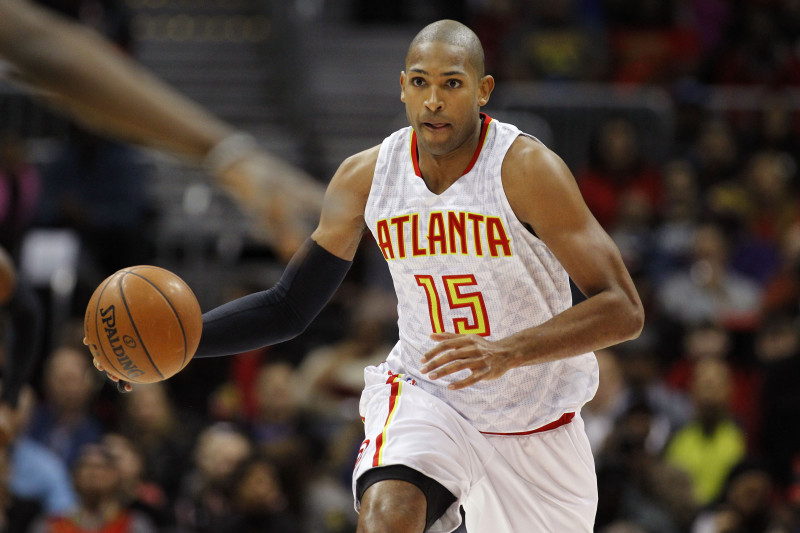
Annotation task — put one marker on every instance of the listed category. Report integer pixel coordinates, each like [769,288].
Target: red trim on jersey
[485,120]
[565,419]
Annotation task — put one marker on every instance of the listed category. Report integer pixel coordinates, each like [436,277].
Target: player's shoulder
[361,164]
[527,151]
[355,173]
[528,158]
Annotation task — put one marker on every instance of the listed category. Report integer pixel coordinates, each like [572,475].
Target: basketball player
[478,404]
[83,75]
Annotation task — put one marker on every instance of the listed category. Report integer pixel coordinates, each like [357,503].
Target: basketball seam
[174,311]
[97,328]
[133,323]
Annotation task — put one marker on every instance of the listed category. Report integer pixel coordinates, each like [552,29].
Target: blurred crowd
[694,426]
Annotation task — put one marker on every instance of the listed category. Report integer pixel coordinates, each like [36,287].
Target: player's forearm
[278,314]
[604,319]
[89,76]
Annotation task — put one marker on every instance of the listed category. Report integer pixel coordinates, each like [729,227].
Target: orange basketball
[143,324]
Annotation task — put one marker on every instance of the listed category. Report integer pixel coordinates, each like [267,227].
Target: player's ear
[485,88]
[403,86]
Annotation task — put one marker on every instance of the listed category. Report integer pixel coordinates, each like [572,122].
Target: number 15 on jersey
[457,298]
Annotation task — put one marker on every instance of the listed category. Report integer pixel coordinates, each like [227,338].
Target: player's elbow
[632,317]
[296,324]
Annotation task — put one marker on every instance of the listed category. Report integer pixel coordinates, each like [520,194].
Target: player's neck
[440,171]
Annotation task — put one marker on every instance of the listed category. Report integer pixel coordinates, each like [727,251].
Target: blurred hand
[285,201]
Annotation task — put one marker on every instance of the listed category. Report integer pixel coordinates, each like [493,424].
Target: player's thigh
[541,483]
[405,425]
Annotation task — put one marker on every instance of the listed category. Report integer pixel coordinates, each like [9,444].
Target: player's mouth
[436,126]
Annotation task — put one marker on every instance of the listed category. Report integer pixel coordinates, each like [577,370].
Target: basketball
[143,324]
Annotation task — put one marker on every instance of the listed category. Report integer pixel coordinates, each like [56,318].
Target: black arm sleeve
[24,332]
[277,314]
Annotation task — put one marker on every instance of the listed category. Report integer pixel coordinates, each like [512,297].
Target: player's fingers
[438,360]
[124,386]
[454,364]
[444,335]
[473,378]
[447,341]
[97,365]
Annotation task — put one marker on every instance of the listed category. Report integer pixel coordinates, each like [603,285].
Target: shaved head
[455,34]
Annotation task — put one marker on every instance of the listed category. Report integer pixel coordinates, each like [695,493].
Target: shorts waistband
[565,419]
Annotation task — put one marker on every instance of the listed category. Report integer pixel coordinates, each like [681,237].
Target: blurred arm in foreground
[80,73]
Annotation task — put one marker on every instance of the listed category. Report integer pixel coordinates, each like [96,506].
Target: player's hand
[122,386]
[485,359]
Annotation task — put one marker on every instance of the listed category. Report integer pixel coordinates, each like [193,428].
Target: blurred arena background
[681,122]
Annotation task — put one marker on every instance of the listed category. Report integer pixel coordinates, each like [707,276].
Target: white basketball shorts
[543,482]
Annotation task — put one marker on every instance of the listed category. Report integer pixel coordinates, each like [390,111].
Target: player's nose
[434,101]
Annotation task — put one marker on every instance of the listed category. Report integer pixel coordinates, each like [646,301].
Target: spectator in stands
[644,376]
[37,474]
[763,200]
[744,505]
[712,443]
[616,169]
[782,290]
[279,428]
[137,492]
[204,498]
[97,481]
[164,434]
[775,128]
[20,185]
[601,413]
[677,217]
[713,341]
[755,51]
[16,513]
[258,502]
[708,289]
[64,421]
[554,41]
[777,347]
[635,485]
[714,153]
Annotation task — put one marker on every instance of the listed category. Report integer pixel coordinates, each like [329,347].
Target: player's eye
[417,82]
[454,84]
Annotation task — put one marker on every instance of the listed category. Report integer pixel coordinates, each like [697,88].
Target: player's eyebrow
[448,73]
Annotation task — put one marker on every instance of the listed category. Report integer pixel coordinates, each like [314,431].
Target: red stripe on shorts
[565,419]
[380,440]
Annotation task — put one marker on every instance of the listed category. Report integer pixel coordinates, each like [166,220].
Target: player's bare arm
[342,224]
[84,74]
[543,194]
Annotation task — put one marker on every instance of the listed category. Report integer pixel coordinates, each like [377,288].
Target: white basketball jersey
[462,262]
